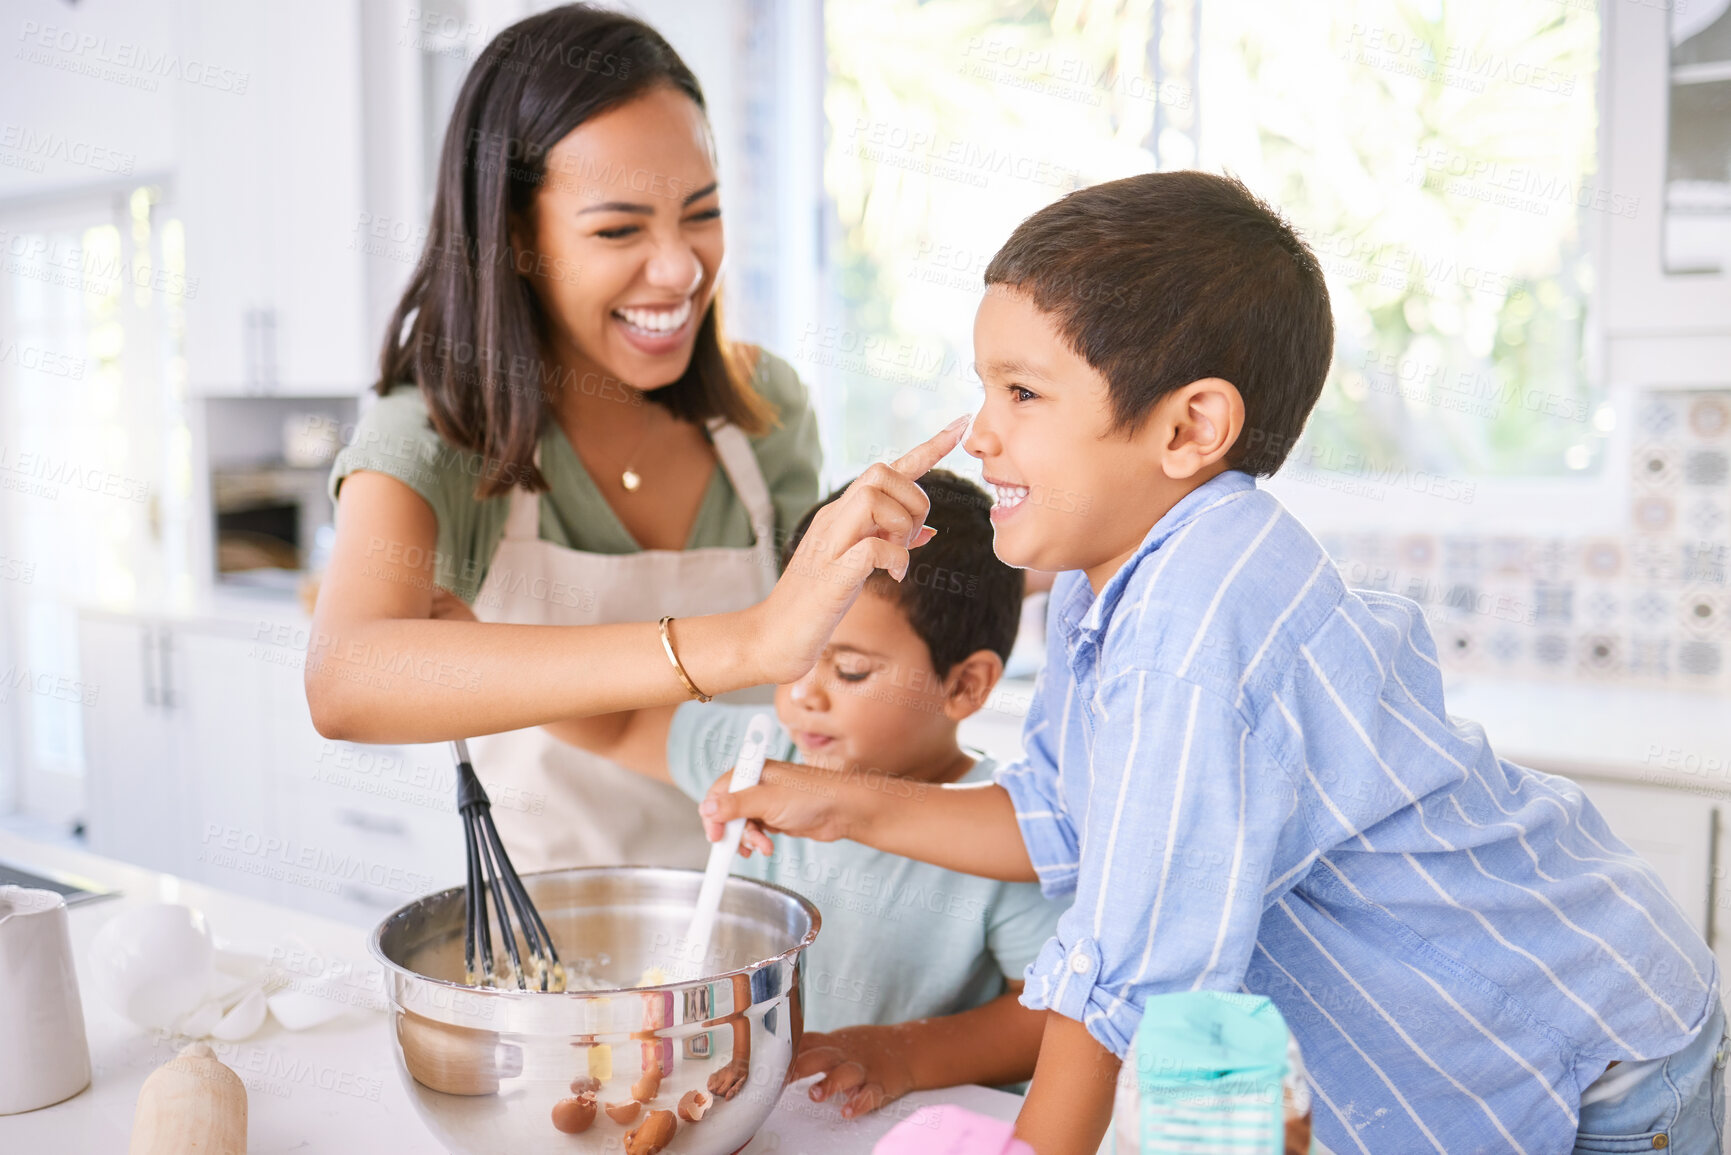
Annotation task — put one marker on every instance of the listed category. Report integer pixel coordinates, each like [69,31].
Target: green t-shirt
[396,438]
[900,939]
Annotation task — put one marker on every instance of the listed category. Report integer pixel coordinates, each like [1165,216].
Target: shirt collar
[1083,613]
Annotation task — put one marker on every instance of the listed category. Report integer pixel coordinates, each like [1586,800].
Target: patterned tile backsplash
[1653,605]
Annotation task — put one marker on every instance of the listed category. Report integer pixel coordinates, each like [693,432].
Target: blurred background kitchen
[207,209]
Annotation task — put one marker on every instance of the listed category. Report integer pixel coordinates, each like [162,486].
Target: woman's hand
[870,527]
[865,1067]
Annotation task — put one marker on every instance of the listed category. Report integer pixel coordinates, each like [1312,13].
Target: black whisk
[491,871]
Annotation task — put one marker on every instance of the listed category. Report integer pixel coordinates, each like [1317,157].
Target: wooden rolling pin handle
[192,1103]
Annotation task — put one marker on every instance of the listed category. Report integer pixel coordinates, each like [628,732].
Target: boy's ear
[970,683]
[1197,425]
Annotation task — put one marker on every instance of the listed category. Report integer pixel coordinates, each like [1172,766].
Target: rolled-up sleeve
[1186,819]
[1034,790]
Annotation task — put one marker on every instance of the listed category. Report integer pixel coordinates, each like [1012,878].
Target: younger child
[900,940]
[1242,771]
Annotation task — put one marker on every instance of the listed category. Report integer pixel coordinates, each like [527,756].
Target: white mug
[44,1057]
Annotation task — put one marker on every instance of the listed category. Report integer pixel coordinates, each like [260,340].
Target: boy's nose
[808,692]
[980,442]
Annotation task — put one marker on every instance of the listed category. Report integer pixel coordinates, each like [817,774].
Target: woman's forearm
[380,669]
[395,680]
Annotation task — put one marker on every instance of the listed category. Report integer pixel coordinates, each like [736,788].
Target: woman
[563,439]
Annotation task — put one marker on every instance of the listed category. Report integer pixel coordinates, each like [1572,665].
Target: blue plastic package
[1209,1071]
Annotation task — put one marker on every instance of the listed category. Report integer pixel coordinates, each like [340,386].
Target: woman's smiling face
[623,242]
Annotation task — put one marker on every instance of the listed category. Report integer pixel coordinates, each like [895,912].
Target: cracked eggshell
[647,1087]
[300,1011]
[655,1133]
[693,1104]
[243,1019]
[574,1116]
[623,1112]
[197,1023]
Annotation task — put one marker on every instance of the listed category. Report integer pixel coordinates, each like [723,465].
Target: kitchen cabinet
[131,791]
[201,759]
[217,699]
[269,187]
[1665,283]
[377,823]
[166,745]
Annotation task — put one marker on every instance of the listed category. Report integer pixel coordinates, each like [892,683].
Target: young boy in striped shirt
[1241,772]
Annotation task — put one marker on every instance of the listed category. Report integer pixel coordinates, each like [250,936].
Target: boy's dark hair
[1165,278]
[957,595]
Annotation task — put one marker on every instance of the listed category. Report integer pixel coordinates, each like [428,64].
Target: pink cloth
[950,1130]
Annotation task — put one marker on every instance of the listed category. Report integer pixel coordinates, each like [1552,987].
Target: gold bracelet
[667,644]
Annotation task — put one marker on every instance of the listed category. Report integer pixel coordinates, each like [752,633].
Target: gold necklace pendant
[629,477]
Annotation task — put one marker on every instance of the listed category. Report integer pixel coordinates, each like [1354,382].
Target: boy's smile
[1070,492]
[1007,498]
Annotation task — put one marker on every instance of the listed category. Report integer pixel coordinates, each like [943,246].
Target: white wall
[121,118]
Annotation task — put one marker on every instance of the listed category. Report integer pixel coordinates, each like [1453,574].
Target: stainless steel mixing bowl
[485,1067]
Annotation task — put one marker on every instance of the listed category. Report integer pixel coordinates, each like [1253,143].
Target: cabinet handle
[367,897]
[259,340]
[372,823]
[165,648]
[146,643]
[1712,928]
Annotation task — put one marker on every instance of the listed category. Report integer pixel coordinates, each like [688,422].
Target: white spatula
[746,771]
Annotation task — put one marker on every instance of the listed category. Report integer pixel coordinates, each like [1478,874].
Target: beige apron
[559,806]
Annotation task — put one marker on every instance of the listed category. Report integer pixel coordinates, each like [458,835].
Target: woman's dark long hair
[469,330]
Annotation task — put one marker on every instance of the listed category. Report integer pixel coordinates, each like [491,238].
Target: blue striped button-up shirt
[1244,774]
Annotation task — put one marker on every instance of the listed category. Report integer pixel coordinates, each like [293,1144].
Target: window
[1440,158]
[95,458]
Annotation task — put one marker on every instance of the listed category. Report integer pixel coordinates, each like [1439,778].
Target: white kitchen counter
[333,1088]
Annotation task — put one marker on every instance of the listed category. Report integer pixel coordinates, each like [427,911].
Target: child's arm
[967,828]
[636,739]
[973,829]
[1069,1103]
[869,1066]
